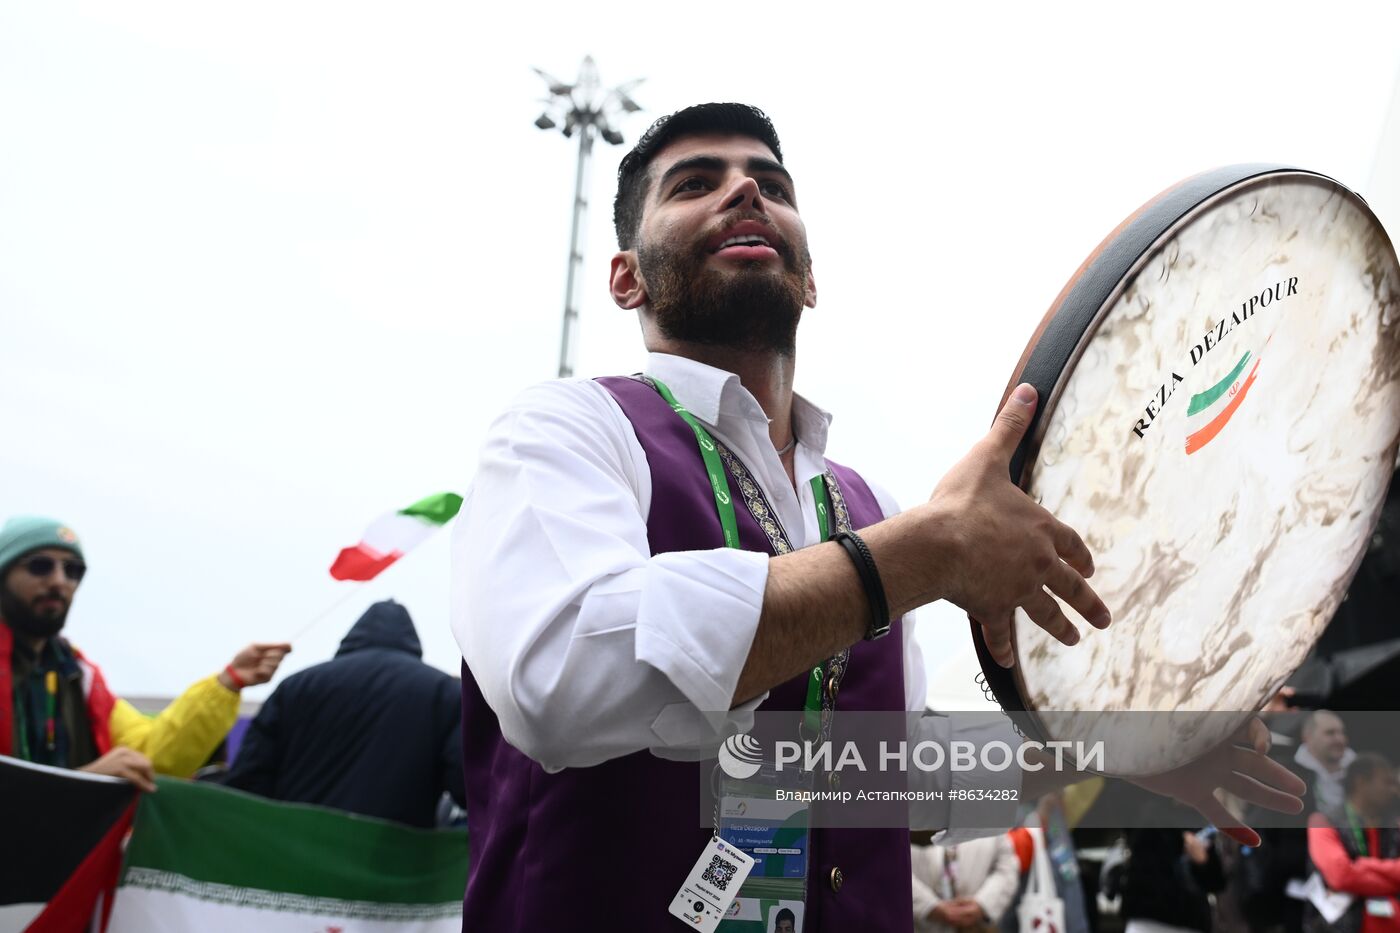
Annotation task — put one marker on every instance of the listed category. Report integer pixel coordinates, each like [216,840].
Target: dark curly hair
[632,176]
[1362,767]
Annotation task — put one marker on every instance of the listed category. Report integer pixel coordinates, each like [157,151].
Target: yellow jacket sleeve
[184,734]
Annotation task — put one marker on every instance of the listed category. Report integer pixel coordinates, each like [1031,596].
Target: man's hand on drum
[1241,766]
[1005,551]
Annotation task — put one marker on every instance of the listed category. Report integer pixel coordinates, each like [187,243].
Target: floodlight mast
[581,107]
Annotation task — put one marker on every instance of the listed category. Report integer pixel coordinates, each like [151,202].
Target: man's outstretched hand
[255,664]
[1009,552]
[1241,766]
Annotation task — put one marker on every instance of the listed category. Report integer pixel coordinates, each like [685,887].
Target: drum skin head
[1220,410]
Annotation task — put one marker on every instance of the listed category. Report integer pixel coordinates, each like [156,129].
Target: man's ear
[811,291]
[625,280]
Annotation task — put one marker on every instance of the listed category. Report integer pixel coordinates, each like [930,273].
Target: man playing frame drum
[645,561]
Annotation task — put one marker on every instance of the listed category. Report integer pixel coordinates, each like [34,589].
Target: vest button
[837,879]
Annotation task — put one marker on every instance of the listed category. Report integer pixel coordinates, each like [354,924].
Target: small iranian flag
[203,857]
[394,535]
[1212,409]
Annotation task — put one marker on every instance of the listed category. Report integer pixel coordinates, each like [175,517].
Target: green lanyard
[724,505]
[1356,831]
[718,482]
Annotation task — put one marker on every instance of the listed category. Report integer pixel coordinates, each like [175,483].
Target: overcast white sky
[268,270]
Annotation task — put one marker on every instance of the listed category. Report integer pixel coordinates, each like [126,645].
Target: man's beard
[750,309]
[25,621]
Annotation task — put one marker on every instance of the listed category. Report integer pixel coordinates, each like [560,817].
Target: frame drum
[1220,410]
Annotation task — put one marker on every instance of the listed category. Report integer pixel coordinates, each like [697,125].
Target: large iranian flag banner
[203,857]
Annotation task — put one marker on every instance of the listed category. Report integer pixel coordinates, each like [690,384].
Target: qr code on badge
[720,873]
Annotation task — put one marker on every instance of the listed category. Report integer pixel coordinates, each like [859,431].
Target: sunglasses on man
[43,566]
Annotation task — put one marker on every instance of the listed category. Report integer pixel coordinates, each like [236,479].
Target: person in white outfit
[963,887]
[1326,754]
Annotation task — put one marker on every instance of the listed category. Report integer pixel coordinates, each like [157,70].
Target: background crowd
[375,731]
[1336,867]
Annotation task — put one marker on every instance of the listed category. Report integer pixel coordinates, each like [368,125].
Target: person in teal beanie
[55,706]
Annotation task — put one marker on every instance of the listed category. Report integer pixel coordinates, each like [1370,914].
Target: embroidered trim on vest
[762,513]
[758,507]
[838,502]
[836,666]
[754,500]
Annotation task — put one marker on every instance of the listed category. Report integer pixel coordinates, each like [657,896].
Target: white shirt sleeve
[586,646]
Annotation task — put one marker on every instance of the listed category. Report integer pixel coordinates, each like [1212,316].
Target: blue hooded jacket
[372,731]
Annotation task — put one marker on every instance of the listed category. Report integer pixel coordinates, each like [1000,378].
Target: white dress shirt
[586,645]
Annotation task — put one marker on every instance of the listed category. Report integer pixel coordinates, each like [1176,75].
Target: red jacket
[1364,878]
[100,701]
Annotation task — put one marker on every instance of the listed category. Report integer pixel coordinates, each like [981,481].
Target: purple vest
[616,840]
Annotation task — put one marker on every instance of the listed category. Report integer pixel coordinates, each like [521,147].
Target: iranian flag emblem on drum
[1212,409]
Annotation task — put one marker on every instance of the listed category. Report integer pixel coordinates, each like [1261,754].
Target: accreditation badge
[711,887]
[773,832]
[772,827]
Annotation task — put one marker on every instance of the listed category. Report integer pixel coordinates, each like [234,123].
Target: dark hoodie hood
[386,624]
